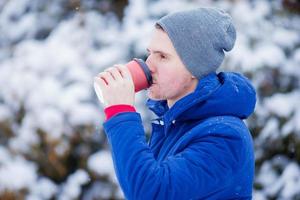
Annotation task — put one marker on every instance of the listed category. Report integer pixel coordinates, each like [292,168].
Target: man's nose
[150,64]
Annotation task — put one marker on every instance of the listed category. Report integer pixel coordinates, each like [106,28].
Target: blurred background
[52,144]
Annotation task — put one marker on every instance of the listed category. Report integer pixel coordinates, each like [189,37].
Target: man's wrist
[116,109]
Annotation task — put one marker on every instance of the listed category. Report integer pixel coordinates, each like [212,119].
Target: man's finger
[100,82]
[124,71]
[107,76]
[115,72]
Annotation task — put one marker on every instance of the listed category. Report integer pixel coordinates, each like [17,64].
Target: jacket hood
[226,93]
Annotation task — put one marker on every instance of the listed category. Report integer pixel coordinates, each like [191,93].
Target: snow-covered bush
[52,143]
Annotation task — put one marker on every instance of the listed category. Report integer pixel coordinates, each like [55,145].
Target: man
[199,148]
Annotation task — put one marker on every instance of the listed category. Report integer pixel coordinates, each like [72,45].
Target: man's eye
[162,56]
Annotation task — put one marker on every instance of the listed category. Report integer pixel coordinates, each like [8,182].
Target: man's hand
[116,85]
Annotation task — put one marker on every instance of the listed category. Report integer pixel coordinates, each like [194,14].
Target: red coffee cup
[140,74]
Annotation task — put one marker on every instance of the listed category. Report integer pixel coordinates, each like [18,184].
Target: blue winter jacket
[199,148]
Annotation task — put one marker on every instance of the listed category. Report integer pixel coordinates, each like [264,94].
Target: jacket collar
[205,87]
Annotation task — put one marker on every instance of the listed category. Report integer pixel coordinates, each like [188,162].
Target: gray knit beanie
[200,37]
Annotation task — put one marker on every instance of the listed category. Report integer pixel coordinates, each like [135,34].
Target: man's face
[171,80]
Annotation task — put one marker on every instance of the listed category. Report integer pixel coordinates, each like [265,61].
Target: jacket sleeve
[195,172]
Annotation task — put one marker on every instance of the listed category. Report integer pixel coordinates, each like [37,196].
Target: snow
[51,121]
[269,55]
[285,38]
[246,14]
[5,113]
[43,188]
[288,182]
[84,114]
[105,57]
[267,176]
[293,124]
[297,55]
[4,155]
[16,173]
[282,104]
[291,181]
[99,190]
[270,131]
[258,196]
[72,188]
[101,163]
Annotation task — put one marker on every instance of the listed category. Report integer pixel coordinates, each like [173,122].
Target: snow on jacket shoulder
[199,148]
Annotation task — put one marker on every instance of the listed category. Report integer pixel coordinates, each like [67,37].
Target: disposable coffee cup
[140,74]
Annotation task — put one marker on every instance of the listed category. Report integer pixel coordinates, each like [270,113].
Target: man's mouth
[152,84]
